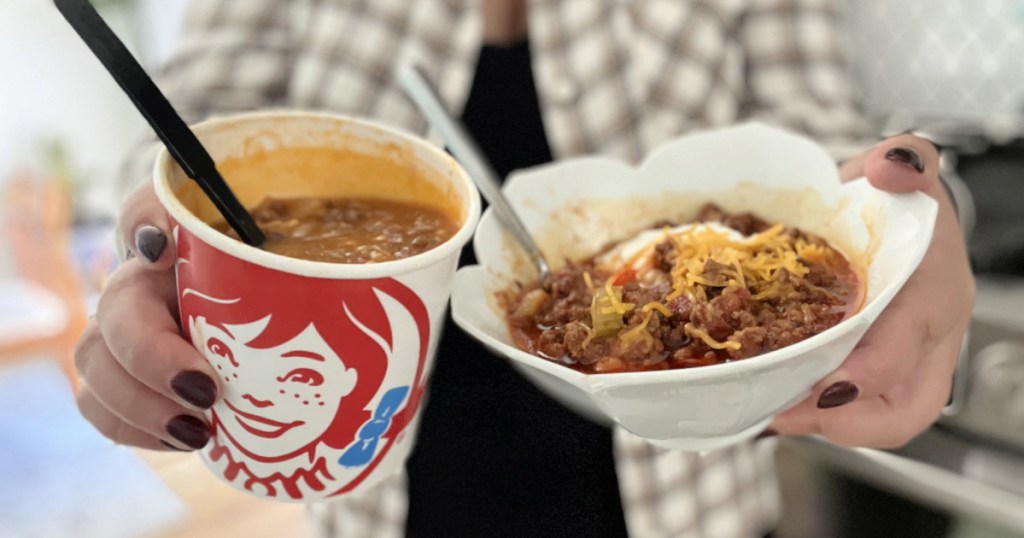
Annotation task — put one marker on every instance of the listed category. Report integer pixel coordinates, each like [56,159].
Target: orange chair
[36,231]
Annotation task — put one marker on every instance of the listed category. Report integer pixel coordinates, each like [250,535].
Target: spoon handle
[466,151]
[175,134]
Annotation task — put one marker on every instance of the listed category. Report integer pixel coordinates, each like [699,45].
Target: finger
[139,406]
[899,342]
[853,168]
[145,229]
[115,429]
[137,318]
[886,421]
[84,348]
[903,163]
[888,353]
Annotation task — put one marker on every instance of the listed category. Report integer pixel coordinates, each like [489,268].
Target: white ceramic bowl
[574,206]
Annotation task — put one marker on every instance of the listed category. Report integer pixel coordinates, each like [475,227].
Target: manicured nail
[906,157]
[150,242]
[768,432]
[838,394]
[195,388]
[189,430]
[172,447]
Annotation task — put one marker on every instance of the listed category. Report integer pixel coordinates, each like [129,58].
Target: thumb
[145,229]
[903,163]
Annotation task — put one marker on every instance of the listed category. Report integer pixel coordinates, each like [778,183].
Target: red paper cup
[321,366]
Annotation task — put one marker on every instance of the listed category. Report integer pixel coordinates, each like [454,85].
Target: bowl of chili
[700,294]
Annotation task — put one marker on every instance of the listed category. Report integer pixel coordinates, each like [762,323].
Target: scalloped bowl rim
[862,320]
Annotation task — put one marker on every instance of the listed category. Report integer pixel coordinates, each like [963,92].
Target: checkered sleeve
[233,56]
[718,494]
[798,75]
[377,512]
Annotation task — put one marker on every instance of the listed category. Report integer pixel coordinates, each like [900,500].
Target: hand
[897,380]
[505,22]
[142,383]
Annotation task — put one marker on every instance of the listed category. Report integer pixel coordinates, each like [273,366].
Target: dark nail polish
[838,394]
[189,430]
[172,447]
[195,388]
[768,432]
[907,157]
[150,242]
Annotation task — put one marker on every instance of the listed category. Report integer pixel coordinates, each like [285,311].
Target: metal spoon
[464,148]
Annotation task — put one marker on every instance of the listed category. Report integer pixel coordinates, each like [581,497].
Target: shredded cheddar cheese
[590,336]
[709,257]
[662,309]
[694,332]
[752,263]
[615,298]
[589,281]
[638,328]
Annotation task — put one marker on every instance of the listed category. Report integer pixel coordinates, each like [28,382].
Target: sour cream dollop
[640,248]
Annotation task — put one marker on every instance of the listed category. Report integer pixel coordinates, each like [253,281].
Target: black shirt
[494,455]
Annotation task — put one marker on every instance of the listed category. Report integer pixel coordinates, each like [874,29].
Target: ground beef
[558,326]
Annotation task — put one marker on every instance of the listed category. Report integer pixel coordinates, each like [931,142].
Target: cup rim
[238,249]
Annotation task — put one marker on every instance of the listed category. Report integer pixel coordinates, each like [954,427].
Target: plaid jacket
[613,76]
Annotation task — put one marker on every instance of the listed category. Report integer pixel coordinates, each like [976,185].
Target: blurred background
[65,127]
[951,70]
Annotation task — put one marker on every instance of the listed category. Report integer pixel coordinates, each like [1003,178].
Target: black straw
[181,142]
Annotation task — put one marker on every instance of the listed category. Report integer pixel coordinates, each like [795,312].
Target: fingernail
[172,447]
[907,157]
[195,388]
[766,434]
[189,430]
[838,394]
[150,242]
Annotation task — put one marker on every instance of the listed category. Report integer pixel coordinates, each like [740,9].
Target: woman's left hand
[897,380]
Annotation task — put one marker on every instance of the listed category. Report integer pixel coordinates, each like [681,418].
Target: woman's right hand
[142,383]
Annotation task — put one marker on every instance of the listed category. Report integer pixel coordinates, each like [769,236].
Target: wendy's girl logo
[320,377]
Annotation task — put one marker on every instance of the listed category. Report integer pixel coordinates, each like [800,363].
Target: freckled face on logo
[278,400]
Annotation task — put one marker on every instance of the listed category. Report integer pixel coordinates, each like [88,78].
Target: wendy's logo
[319,376]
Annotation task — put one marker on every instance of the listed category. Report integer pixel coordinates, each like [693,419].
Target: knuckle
[120,282]
[81,400]
[82,352]
[133,352]
[130,402]
[122,432]
[91,411]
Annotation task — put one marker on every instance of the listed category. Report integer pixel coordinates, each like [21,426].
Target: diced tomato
[622,278]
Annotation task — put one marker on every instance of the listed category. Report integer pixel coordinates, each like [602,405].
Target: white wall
[958,61]
[50,85]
